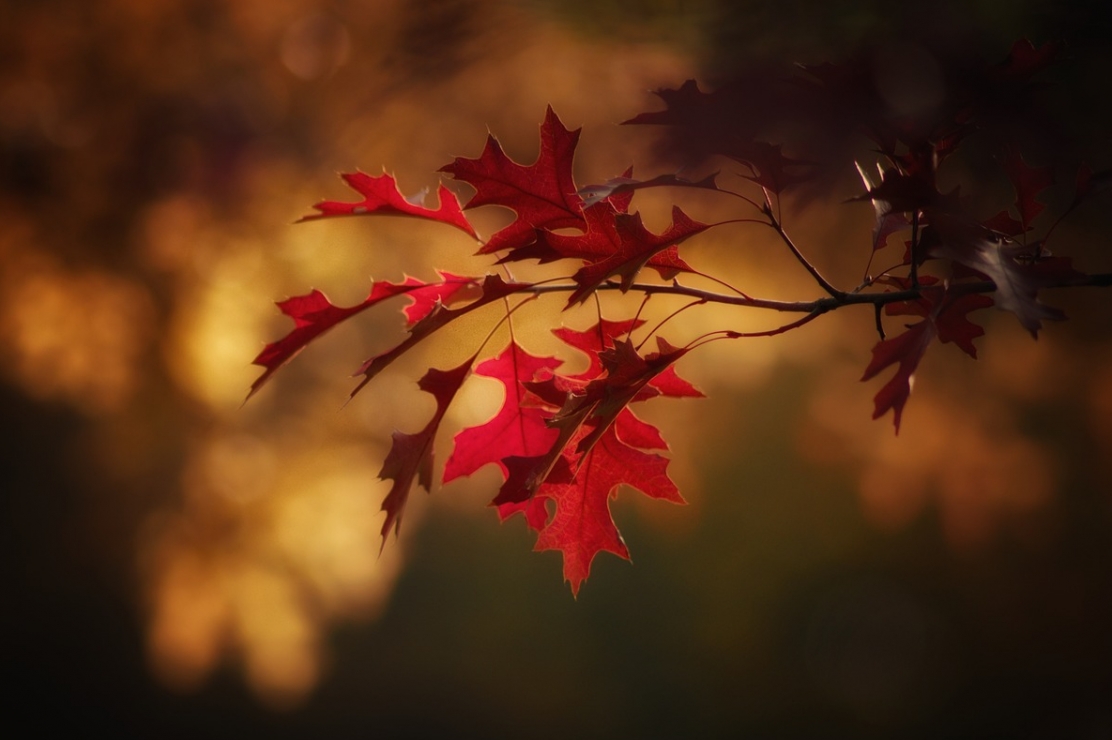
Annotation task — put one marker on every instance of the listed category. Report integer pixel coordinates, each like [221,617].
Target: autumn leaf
[313,315]
[905,351]
[493,289]
[543,194]
[382,197]
[616,377]
[425,299]
[1018,279]
[1029,182]
[949,312]
[411,455]
[582,525]
[899,192]
[720,123]
[945,318]
[888,220]
[604,336]
[628,246]
[605,222]
[517,429]
[1025,60]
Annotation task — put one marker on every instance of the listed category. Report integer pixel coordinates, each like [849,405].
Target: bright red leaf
[517,428]
[314,314]
[382,197]
[493,289]
[543,194]
[582,525]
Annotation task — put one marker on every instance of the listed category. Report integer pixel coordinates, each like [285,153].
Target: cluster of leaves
[565,443]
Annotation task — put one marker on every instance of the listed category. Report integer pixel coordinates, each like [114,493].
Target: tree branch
[820,305]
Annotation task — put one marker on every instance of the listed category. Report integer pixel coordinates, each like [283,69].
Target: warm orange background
[177,564]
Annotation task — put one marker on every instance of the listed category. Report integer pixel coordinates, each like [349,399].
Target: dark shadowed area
[180,564]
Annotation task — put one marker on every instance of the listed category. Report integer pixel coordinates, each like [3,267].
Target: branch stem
[823,282]
[819,305]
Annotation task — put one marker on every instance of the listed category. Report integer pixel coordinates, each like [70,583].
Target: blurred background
[178,564]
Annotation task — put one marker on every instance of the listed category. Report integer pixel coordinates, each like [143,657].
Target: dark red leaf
[888,221]
[426,298]
[626,246]
[1018,280]
[949,311]
[905,351]
[1029,183]
[1024,60]
[722,123]
[411,455]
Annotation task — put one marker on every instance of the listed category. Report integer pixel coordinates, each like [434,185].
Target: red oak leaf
[625,246]
[628,378]
[493,289]
[948,311]
[410,455]
[602,336]
[381,196]
[542,194]
[722,123]
[900,192]
[314,314]
[601,225]
[906,351]
[615,377]
[534,510]
[1005,223]
[582,525]
[1018,280]
[1024,60]
[598,406]
[945,316]
[685,106]
[1029,183]
[594,340]
[425,299]
[888,221]
[517,429]
[1016,271]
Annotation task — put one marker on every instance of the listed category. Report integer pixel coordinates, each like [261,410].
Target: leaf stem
[825,284]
